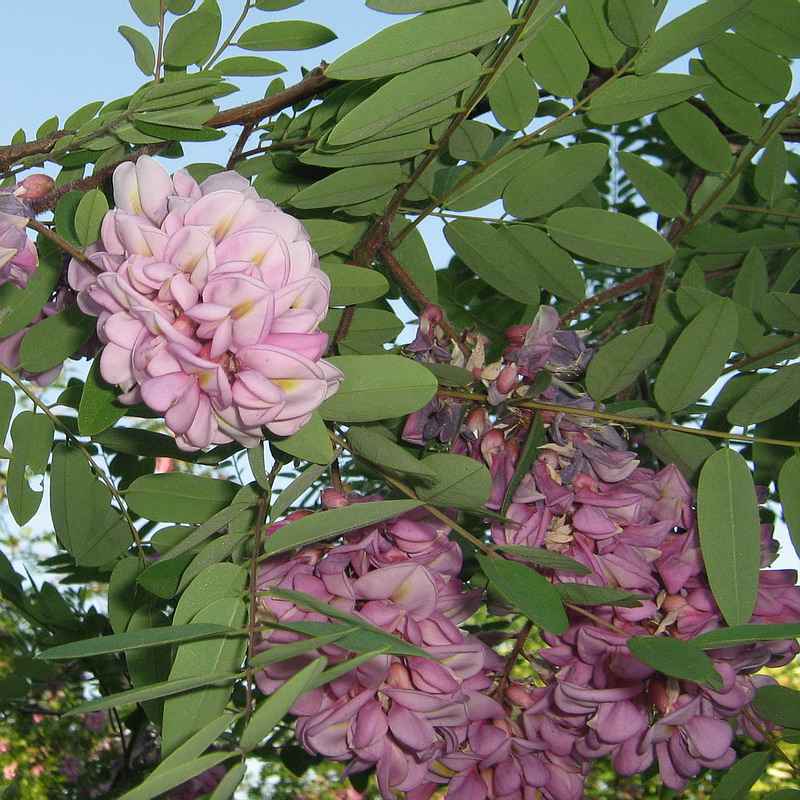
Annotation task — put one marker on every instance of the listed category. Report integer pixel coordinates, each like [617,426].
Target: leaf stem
[648,423]
[43,230]
[229,39]
[744,362]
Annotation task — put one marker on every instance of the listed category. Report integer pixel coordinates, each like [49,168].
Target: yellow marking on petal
[135,200]
[287,384]
[237,312]
[206,378]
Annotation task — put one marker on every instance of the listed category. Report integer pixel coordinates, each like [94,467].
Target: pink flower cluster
[18,256]
[465,722]
[208,302]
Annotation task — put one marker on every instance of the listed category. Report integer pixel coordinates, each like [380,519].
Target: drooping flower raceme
[208,303]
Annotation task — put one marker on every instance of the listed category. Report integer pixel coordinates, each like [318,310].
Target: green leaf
[492,257]
[687,451]
[746,69]
[736,782]
[770,173]
[616,364]
[7,402]
[228,785]
[155,786]
[249,65]
[179,497]
[19,307]
[769,397]
[192,38]
[152,692]
[555,59]
[773,25]
[328,524]
[370,443]
[167,128]
[32,438]
[164,577]
[741,635]
[135,640]
[609,237]
[674,657]
[527,455]
[99,408]
[277,705]
[283,652]
[285,35]
[348,186]
[189,90]
[462,482]
[89,215]
[778,704]
[49,342]
[276,5]
[528,591]
[545,558]
[688,31]
[378,387]
[782,310]
[583,594]
[696,136]
[730,533]
[411,6]
[732,110]
[311,443]
[632,21]
[514,97]
[188,713]
[553,266]
[372,325]
[148,11]
[633,97]
[698,356]
[85,523]
[421,40]
[470,140]
[124,594]
[328,235]
[659,189]
[752,281]
[215,581]
[587,18]
[143,54]
[374,637]
[487,185]
[404,95]
[789,492]
[377,150]
[557,177]
[352,285]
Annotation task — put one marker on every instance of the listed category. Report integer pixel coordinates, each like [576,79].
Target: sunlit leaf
[674,657]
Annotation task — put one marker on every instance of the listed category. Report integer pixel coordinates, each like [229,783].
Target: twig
[63,244]
[744,362]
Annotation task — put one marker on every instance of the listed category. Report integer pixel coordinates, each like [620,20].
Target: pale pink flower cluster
[585,496]
[209,303]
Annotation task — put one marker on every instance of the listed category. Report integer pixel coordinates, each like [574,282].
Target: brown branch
[744,362]
[312,84]
[626,287]
[511,659]
[11,153]
[63,244]
[238,148]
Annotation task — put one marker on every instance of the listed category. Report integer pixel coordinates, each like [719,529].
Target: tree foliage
[524,554]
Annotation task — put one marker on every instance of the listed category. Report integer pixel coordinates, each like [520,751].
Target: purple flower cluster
[209,302]
[465,721]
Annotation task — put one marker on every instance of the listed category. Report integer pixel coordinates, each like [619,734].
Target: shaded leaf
[632,21]
[583,594]
[371,444]
[778,704]
[179,497]
[331,523]
[555,59]
[688,452]
[730,533]
[311,443]
[789,492]
[249,65]
[659,189]
[32,438]
[736,782]
[609,237]
[782,310]
[192,38]
[99,408]
[462,482]
[772,395]
[698,356]
[557,177]
[528,591]
[514,97]
[740,635]
[143,54]
[688,31]
[493,258]
[135,640]
[420,40]
[50,342]
[545,558]
[616,365]
[351,185]
[378,387]
[773,25]
[696,136]
[674,657]
[153,786]
[272,710]
[587,18]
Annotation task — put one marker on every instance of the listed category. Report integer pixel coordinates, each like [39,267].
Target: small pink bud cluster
[18,256]
[208,304]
